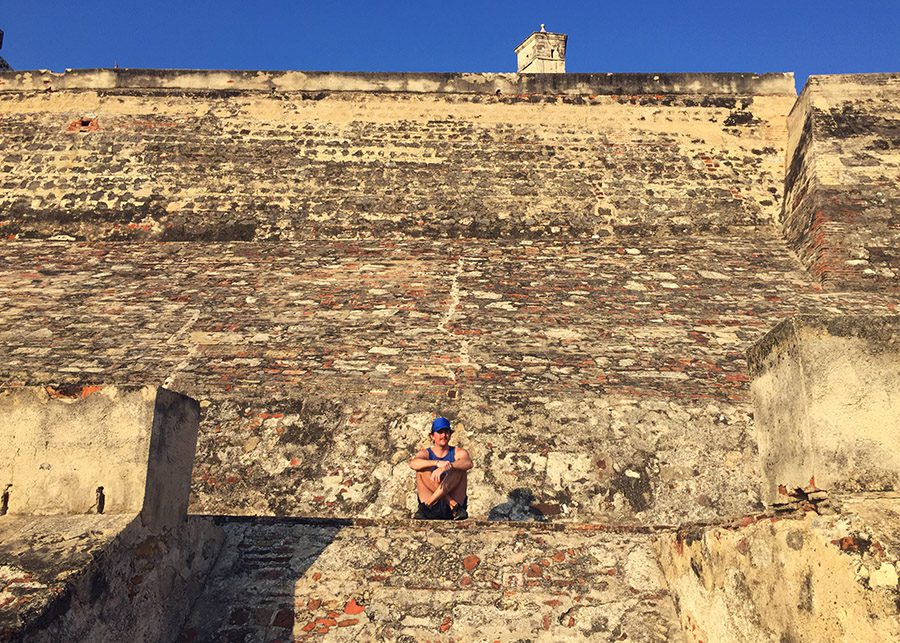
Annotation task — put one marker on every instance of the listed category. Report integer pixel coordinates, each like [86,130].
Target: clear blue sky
[805,37]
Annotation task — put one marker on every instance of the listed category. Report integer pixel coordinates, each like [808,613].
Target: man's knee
[425,486]
[453,478]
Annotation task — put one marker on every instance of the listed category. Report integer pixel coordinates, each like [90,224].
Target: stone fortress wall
[573,267]
[841,206]
[95,542]
[413,244]
[195,156]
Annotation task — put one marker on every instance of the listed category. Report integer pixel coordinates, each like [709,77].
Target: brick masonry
[280,581]
[573,277]
[632,356]
[133,164]
[843,181]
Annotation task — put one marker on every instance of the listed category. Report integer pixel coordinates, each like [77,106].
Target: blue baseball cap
[440,424]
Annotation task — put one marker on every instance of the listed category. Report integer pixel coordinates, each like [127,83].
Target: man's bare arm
[420,461]
[463,460]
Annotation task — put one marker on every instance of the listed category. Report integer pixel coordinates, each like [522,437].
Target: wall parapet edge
[410,82]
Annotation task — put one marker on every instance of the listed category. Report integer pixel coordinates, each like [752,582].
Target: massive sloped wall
[133,162]
[572,270]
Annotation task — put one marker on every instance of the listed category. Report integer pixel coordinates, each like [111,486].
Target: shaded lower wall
[140,587]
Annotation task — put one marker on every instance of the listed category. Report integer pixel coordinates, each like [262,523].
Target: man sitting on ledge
[441,472]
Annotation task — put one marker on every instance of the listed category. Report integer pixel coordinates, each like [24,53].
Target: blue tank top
[450,457]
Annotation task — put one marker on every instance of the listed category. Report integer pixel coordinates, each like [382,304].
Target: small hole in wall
[101,500]
[4,500]
[84,124]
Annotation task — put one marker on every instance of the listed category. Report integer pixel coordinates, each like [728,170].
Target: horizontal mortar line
[138,91]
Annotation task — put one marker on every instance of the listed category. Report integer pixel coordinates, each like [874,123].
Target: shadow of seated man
[441,476]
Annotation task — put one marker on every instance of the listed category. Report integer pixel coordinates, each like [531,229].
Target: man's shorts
[438,511]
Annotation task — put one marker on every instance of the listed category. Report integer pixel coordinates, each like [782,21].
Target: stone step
[403,580]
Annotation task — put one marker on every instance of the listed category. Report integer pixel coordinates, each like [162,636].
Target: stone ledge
[509,525]
[883,329]
[403,583]
[441,83]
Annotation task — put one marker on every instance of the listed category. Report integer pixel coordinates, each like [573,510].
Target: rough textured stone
[542,53]
[842,202]
[38,555]
[127,566]
[790,579]
[276,341]
[96,449]
[364,334]
[99,577]
[133,163]
[571,267]
[405,582]
[711,84]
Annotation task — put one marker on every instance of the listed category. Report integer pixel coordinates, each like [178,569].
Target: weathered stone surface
[55,437]
[572,270]
[100,578]
[402,581]
[540,345]
[133,163]
[119,564]
[98,448]
[827,405]
[805,579]
[542,53]
[38,557]
[842,203]
[429,83]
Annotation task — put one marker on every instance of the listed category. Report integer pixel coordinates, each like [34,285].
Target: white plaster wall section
[807,424]
[783,431]
[854,406]
[57,469]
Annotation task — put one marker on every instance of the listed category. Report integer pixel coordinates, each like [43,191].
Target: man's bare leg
[454,486]
[425,486]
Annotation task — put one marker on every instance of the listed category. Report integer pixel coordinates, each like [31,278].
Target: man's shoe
[459,512]
[421,512]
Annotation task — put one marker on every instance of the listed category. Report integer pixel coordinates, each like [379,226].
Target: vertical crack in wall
[444,324]
[193,349]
